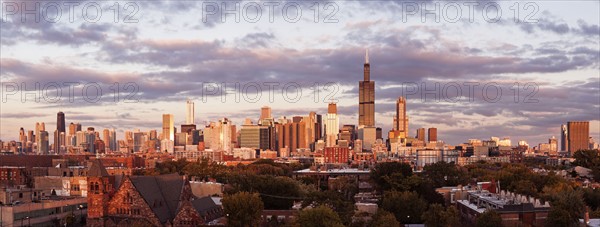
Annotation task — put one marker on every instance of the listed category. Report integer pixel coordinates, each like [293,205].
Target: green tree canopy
[386,169]
[336,200]
[384,219]
[408,207]
[587,158]
[445,174]
[567,208]
[490,218]
[438,216]
[243,209]
[321,216]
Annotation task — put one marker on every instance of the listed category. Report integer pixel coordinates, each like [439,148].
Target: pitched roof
[96,169]
[204,204]
[162,193]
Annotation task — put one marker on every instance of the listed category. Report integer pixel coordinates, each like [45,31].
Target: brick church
[164,200]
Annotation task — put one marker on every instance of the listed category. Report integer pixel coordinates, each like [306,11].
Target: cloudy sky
[471,69]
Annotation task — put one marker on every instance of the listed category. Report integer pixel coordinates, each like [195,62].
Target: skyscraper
[332,125]
[401,118]
[432,134]
[578,137]
[60,122]
[553,146]
[421,134]
[366,96]
[59,134]
[564,139]
[109,137]
[265,113]
[22,139]
[42,142]
[168,127]
[189,112]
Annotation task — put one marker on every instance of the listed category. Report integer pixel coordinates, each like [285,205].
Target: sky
[472,69]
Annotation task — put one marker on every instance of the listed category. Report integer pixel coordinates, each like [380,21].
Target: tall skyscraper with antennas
[366,96]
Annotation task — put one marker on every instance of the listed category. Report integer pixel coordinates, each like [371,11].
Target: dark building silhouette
[59,134]
[564,139]
[366,97]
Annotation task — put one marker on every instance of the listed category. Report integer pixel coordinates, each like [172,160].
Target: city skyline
[558,54]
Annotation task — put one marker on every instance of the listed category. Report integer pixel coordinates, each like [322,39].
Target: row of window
[188,222]
[134,211]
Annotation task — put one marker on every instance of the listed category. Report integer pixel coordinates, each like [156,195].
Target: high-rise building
[265,113]
[255,137]
[366,97]
[432,134]
[72,129]
[42,142]
[60,122]
[59,142]
[109,136]
[579,133]
[188,128]
[23,140]
[319,127]
[220,135]
[289,137]
[39,127]
[153,135]
[168,127]
[332,125]
[348,133]
[553,146]
[401,117]
[421,134]
[189,112]
[311,129]
[60,130]
[368,136]
[564,138]
[180,139]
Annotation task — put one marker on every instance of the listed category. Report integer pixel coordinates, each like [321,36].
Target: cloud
[22,115]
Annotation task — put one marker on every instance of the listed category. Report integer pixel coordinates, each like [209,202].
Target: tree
[386,169]
[445,174]
[406,206]
[342,206]
[418,184]
[567,208]
[205,169]
[384,219]
[277,193]
[489,218]
[525,187]
[346,185]
[438,216]
[321,216]
[592,197]
[243,209]
[587,158]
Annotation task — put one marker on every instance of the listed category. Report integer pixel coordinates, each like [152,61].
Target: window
[21,195]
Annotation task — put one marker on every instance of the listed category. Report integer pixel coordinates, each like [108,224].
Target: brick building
[336,154]
[164,200]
